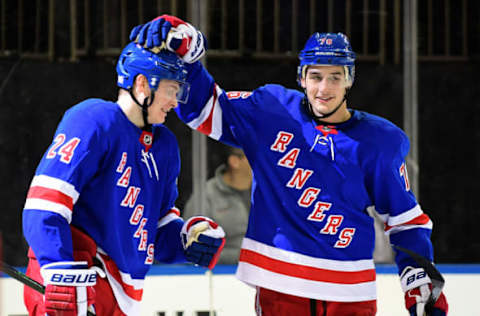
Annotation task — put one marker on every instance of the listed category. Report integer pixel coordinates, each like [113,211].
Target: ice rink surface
[173,289]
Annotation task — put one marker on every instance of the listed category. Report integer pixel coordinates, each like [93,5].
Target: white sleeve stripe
[167,219]
[217,118]
[44,205]
[405,216]
[56,184]
[397,229]
[195,123]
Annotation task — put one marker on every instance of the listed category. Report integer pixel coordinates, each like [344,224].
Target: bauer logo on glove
[202,240]
[417,286]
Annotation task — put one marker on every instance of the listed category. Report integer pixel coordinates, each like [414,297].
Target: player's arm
[48,213]
[209,110]
[405,222]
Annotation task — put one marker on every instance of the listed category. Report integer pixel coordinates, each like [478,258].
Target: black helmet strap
[146,125]
[324,116]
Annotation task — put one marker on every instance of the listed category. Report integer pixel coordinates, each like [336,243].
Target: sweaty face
[165,100]
[325,88]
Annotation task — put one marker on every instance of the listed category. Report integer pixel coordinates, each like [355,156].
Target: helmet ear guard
[328,49]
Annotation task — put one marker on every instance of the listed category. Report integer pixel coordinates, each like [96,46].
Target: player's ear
[140,85]
[302,82]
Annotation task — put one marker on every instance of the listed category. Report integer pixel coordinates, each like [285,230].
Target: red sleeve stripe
[206,126]
[50,195]
[306,272]
[175,211]
[171,215]
[217,123]
[417,221]
[209,121]
[55,184]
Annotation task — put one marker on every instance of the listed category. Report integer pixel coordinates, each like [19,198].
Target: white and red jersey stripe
[51,194]
[411,219]
[209,122]
[127,291]
[297,274]
[171,215]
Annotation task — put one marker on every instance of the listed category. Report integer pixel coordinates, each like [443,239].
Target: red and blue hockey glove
[202,240]
[417,286]
[69,287]
[172,33]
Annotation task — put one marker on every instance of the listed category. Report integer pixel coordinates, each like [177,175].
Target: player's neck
[342,115]
[132,111]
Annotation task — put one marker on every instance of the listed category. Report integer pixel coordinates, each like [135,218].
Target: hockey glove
[69,287]
[172,33]
[202,240]
[418,289]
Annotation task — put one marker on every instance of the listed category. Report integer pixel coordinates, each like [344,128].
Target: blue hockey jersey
[309,233]
[103,175]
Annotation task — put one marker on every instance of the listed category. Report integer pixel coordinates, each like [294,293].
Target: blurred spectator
[228,201]
[383,252]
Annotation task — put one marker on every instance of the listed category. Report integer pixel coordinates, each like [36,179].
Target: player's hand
[202,240]
[69,288]
[170,32]
[418,289]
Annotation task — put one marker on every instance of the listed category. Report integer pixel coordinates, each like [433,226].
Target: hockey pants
[84,250]
[272,303]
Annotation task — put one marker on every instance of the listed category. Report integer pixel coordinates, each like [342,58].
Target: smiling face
[165,99]
[325,87]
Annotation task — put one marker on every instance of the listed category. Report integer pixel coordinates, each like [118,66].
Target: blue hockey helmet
[135,60]
[328,49]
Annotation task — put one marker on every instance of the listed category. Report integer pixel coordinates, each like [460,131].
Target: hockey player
[100,208]
[318,166]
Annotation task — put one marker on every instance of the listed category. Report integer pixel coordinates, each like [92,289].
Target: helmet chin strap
[146,125]
[323,116]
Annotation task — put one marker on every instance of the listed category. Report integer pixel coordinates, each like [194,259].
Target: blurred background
[418,65]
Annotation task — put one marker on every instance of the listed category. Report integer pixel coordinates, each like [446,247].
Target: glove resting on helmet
[172,33]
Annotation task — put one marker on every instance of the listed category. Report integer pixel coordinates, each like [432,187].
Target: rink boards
[188,289]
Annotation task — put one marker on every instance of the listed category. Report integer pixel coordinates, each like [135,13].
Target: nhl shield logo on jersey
[146,139]
[327,129]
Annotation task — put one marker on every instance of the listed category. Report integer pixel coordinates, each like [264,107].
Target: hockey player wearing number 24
[100,207]
[318,166]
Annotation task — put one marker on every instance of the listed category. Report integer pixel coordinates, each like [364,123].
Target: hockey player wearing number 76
[318,166]
[100,208]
